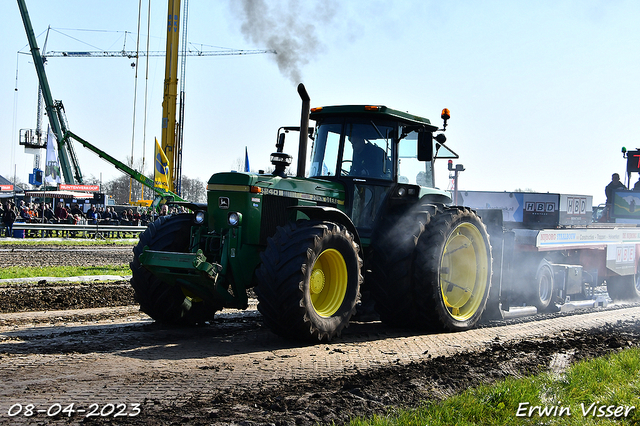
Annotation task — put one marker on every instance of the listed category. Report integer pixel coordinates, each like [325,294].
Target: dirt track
[235,371]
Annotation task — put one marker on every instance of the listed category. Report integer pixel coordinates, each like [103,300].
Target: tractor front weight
[197,277]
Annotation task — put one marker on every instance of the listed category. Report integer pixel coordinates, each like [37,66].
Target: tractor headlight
[402,192]
[234,218]
[199,219]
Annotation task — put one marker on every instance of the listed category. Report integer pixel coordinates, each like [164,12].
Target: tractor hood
[312,190]
[257,204]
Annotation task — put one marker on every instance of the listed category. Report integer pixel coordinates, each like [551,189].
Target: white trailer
[547,251]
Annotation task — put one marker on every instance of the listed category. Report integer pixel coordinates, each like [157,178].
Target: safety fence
[65,230]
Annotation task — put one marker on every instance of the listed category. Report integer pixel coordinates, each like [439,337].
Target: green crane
[68,161]
[57,120]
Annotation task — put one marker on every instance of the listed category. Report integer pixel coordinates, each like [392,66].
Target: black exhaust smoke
[289,27]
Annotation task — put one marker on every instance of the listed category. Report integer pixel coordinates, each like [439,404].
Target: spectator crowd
[73,214]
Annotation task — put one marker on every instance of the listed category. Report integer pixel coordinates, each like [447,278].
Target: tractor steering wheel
[344,172]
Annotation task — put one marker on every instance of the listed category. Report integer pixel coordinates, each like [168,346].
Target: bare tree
[238,165]
[194,190]
[19,182]
[119,188]
[91,180]
[124,188]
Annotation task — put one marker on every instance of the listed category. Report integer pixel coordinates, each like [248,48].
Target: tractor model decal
[302,196]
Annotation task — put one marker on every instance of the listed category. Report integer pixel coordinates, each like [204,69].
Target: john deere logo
[223,202]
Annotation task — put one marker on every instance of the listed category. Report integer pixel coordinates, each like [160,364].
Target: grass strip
[62,271]
[600,391]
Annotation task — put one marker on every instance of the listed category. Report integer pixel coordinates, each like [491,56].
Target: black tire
[542,288]
[452,271]
[309,280]
[391,281]
[624,288]
[493,308]
[161,301]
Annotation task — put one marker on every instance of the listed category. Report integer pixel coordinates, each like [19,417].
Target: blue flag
[246,160]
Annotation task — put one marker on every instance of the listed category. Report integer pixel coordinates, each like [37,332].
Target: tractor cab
[374,152]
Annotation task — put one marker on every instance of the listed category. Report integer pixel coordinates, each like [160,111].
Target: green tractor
[367,220]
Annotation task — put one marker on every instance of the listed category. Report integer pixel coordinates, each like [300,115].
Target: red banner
[6,187]
[89,188]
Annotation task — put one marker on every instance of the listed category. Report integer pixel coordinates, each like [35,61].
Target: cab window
[410,170]
[367,151]
[325,150]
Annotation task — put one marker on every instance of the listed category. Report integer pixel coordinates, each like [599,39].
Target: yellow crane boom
[168,139]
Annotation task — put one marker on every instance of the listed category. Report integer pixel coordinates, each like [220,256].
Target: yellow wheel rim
[464,271]
[190,295]
[328,282]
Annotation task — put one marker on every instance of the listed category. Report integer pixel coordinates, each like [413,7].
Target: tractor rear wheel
[161,301]
[391,281]
[309,280]
[452,271]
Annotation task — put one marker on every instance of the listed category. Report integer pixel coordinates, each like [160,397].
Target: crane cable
[183,65]
[135,98]
[146,98]
[146,91]
[14,122]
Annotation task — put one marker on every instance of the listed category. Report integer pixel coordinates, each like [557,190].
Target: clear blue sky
[543,94]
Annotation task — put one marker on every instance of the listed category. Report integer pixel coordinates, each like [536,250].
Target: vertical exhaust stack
[304,130]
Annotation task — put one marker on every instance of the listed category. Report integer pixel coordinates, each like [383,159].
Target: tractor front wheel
[309,280]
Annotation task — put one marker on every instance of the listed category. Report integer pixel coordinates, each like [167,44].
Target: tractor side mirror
[425,146]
